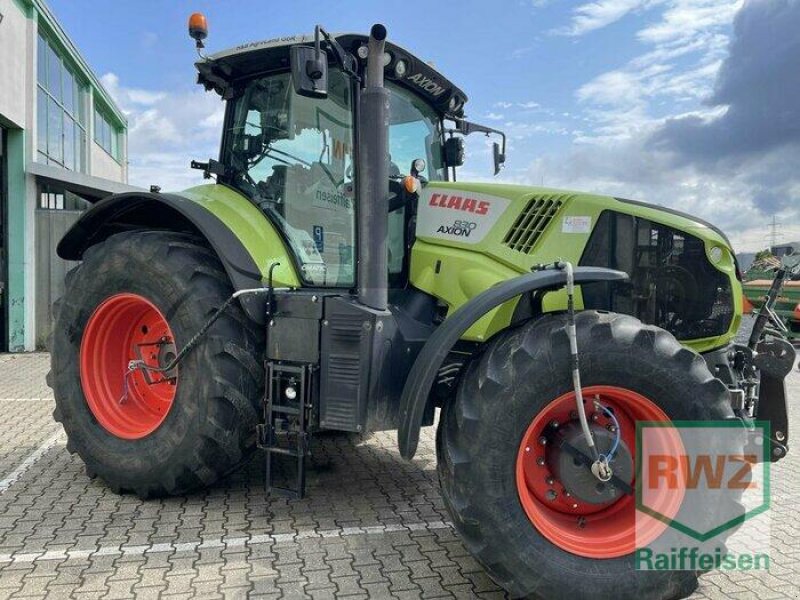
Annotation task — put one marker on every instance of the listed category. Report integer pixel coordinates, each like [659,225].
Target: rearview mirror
[499,157]
[453,152]
[498,150]
[309,71]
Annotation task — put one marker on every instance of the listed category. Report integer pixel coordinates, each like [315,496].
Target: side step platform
[284,435]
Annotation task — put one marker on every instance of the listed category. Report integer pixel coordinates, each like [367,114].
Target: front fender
[430,359]
[245,241]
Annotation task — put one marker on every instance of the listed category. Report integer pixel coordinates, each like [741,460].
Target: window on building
[55,197]
[61,126]
[106,133]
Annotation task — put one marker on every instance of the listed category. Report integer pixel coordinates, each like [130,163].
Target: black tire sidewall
[127,264]
[501,393]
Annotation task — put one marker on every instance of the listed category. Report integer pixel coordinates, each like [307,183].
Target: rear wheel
[142,296]
[539,522]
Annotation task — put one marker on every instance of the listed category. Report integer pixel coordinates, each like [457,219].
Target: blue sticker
[319,237]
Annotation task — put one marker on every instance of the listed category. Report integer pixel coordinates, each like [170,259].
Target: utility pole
[774,227]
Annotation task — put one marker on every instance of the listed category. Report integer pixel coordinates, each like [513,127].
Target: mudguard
[430,359]
[245,241]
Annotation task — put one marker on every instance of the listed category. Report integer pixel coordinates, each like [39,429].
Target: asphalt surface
[373,526]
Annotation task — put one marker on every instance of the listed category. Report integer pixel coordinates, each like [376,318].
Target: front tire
[145,295]
[524,377]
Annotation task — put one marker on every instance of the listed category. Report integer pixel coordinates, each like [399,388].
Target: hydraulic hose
[600,467]
[572,334]
[140,364]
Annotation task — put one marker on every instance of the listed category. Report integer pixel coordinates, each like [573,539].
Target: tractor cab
[294,153]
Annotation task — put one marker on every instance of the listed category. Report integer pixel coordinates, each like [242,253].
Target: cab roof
[227,71]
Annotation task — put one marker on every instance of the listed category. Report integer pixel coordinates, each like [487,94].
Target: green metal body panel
[257,233]
[454,271]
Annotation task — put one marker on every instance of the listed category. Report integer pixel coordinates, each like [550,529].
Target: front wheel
[531,513]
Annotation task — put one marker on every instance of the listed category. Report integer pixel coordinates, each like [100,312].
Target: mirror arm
[465,127]
[344,58]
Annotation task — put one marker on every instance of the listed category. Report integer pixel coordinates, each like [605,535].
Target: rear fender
[430,359]
[245,241]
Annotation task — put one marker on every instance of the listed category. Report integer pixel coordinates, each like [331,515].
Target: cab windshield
[293,156]
[414,132]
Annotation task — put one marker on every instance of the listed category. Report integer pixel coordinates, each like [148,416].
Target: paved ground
[374,525]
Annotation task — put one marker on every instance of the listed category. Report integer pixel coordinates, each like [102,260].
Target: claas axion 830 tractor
[333,275]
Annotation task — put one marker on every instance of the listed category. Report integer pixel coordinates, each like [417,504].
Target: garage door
[55,214]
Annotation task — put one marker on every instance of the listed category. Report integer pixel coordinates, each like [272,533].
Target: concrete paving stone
[432,587]
[496,595]
[342,567]
[329,594]
[291,574]
[35,585]
[55,507]
[146,593]
[401,580]
[156,577]
[461,590]
[347,585]
[407,594]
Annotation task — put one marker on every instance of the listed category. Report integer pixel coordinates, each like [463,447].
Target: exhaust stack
[373,179]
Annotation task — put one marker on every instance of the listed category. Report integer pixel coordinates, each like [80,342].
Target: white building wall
[13,68]
[18,109]
[103,165]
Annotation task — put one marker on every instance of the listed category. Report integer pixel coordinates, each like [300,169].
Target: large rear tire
[144,295]
[508,397]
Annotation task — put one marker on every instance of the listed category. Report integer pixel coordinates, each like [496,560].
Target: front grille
[672,285]
[531,223]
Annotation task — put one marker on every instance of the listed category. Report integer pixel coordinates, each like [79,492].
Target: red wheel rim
[591,530]
[122,328]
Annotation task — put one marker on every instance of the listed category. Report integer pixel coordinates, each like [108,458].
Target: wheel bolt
[551,495]
[595,417]
[540,461]
[611,428]
[549,480]
[574,505]
[554,424]
[543,441]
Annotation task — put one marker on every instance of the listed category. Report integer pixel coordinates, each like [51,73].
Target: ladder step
[284,451]
[285,410]
[281,422]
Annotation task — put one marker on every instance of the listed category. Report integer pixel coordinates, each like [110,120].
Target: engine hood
[521,226]
[472,236]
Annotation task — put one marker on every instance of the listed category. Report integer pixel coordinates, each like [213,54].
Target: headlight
[400,69]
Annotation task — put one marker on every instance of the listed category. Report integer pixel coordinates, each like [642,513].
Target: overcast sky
[693,104]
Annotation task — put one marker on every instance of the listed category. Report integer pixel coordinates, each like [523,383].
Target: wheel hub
[573,473]
[127,404]
[562,499]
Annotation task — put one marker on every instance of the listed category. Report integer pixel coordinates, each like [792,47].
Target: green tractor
[334,276]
